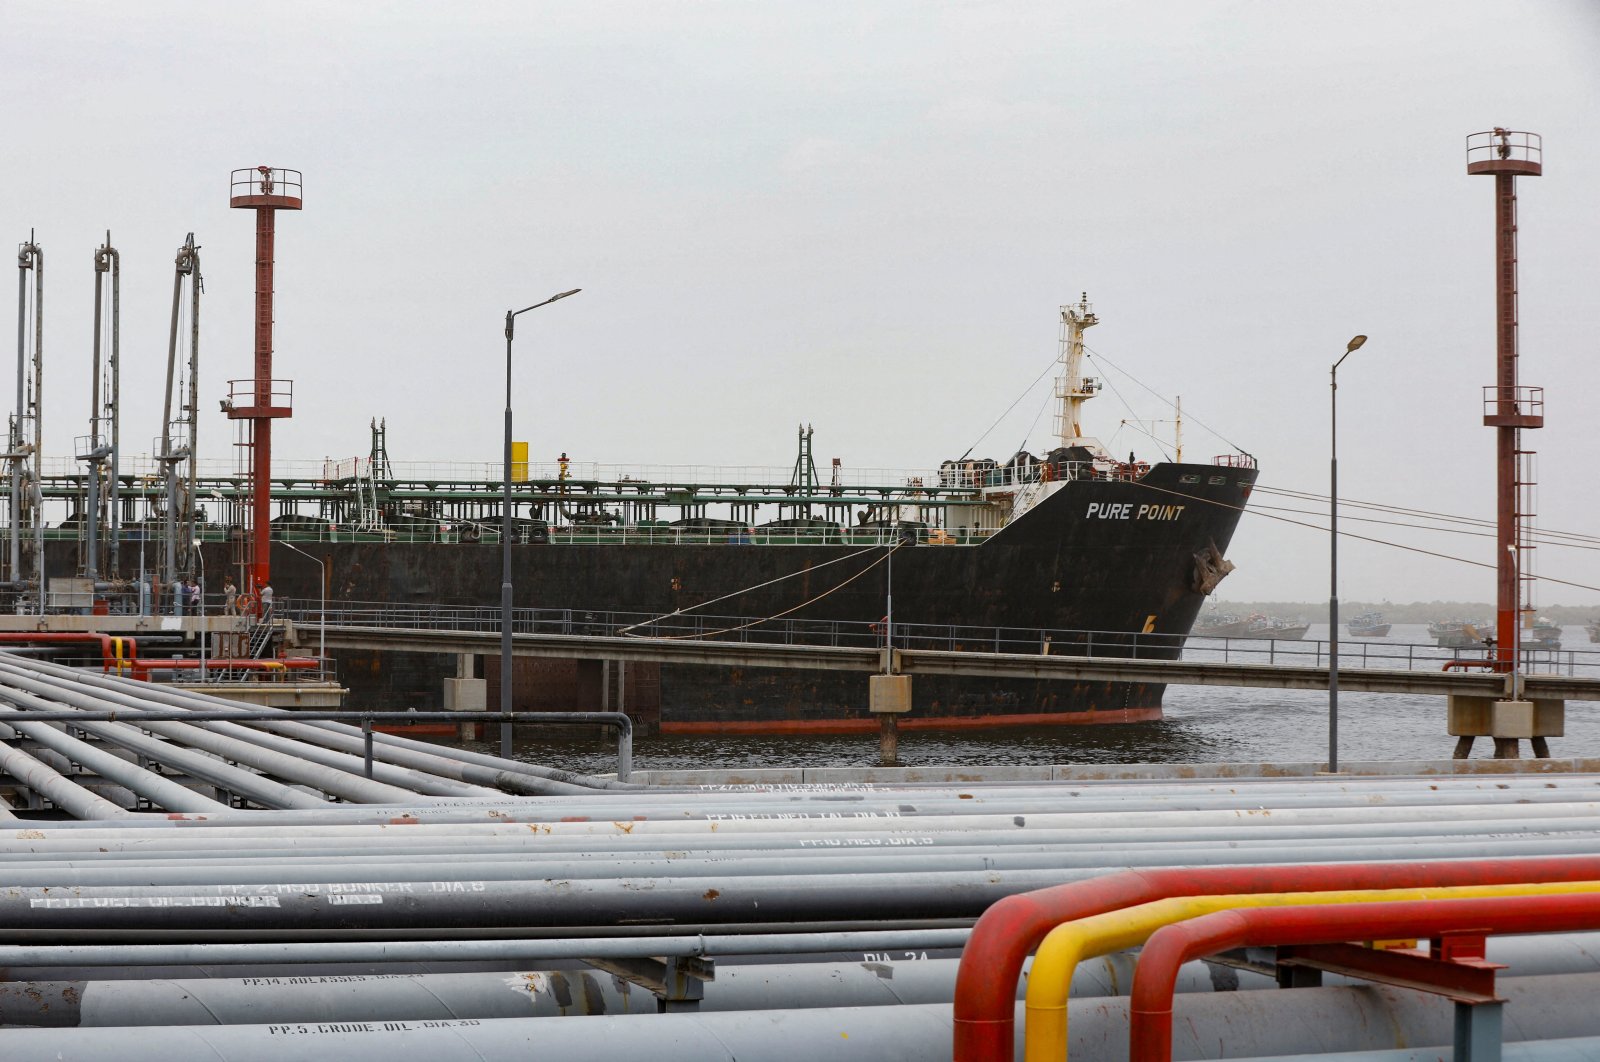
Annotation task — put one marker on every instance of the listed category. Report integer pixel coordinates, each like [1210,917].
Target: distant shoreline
[1398,612]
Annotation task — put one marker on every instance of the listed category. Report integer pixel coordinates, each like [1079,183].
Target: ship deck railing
[789,630]
[493,472]
[337,481]
[475,532]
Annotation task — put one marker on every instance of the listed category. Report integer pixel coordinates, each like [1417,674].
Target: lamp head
[1355,344]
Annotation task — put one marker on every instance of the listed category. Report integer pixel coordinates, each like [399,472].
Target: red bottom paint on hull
[870,724]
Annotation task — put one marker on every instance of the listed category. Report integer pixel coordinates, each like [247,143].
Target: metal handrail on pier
[950,638]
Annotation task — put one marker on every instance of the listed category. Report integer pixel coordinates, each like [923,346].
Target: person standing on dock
[266,602]
[230,597]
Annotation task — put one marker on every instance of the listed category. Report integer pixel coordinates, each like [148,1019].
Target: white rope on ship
[628,630]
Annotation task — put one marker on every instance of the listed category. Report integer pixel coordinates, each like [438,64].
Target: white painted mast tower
[1073,389]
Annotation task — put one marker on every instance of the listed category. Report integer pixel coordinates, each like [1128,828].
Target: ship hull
[1115,556]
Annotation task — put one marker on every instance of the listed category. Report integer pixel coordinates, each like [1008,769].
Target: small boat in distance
[1279,629]
[1459,634]
[1544,634]
[1593,627]
[1221,625]
[1255,625]
[1464,634]
[1368,625]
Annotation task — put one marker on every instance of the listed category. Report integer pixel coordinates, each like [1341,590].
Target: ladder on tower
[368,473]
[244,513]
[1526,487]
[365,484]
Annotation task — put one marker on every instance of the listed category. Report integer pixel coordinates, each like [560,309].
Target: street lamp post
[1333,557]
[322,608]
[505,537]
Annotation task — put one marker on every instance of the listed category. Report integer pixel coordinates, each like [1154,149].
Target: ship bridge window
[1217,480]
[1191,478]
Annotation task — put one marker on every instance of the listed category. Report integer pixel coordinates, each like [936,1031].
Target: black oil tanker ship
[1074,548]
[1124,558]
[1074,543]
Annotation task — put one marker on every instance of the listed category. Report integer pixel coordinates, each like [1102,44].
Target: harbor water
[1203,724]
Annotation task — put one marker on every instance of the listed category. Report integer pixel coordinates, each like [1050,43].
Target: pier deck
[868,660]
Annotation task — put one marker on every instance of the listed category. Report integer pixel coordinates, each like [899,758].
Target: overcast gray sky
[859,215]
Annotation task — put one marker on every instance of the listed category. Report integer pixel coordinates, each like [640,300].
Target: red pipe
[248,663]
[108,653]
[1010,930]
[111,660]
[298,663]
[1155,977]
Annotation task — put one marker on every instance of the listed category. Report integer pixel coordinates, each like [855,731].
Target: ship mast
[1072,387]
[1177,427]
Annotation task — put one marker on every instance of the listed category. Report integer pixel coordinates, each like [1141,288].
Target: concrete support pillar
[888,741]
[889,697]
[465,693]
[1507,722]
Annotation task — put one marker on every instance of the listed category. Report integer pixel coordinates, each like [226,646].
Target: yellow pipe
[1050,981]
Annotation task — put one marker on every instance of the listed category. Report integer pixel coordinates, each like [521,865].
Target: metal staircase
[260,638]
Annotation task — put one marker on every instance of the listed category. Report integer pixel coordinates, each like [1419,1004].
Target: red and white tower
[260,400]
[1509,407]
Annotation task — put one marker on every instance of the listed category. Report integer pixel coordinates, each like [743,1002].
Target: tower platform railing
[265,186]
